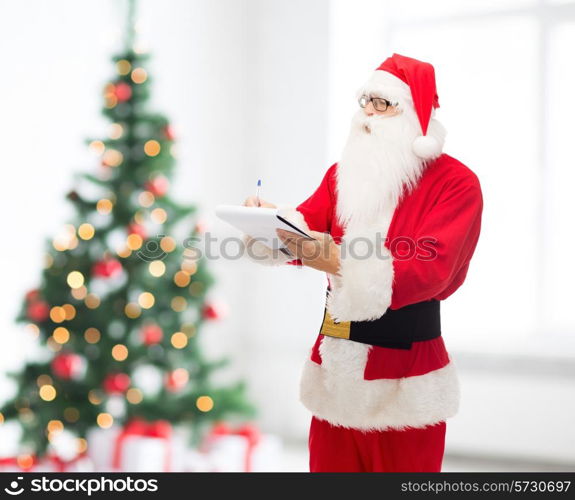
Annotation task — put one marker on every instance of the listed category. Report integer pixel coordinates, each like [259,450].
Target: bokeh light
[139,75]
[86,231]
[92,335]
[179,340]
[120,352]
[105,420]
[205,403]
[47,392]
[75,279]
[61,335]
[146,300]
[179,303]
[157,268]
[104,206]
[123,67]
[132,310]
[92,301]
[152,147]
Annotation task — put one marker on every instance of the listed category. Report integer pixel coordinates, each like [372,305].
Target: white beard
[376,167]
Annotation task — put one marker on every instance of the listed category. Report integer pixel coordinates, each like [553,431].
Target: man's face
[378,107]
[377,159]
[370,110]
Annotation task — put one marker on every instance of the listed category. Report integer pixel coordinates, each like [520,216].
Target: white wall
[287,96]
[508,328]
[54,60]
[245,85]
[253,106]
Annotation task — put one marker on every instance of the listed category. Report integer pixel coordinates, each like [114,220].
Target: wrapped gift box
[156,447]
[48,463]
[242,450]
[139,446]
[101,444]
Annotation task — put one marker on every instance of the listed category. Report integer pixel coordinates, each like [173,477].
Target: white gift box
[268,454]
[101,446]
[44,466]
[82,464]
[137,453]
[145,454]
[195,461]
[228,453]
[222,453]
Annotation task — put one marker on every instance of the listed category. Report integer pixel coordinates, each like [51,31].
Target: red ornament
[151,334]
[169,132]
[123,91]
[177,379]
[212,311]
[201,227]
[107,268]
[116,383]
[38,311]
[68,365]
[33,295]
[158,186]
[137,229]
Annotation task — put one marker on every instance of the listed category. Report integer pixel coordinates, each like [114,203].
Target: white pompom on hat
[427,146]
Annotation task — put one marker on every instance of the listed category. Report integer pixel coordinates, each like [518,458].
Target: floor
[295,460]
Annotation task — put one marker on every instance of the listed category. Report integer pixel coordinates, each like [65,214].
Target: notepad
[259,223]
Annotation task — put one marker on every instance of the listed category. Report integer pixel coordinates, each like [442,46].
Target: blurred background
[265,89]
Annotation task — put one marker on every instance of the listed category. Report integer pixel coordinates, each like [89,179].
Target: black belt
[397,328]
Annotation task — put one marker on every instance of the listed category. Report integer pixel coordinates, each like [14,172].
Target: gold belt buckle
[333,328]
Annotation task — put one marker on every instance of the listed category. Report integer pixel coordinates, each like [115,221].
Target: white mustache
[375,124]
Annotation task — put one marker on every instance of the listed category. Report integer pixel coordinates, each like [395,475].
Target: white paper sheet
[258,222]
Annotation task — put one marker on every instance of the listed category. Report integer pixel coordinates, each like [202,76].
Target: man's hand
[252,201]
[321,253]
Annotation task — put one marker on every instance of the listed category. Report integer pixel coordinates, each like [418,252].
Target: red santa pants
[337,449]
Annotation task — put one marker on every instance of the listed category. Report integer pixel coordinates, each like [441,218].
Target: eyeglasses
[379,103]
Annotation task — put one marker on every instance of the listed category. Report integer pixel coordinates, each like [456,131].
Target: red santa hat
[400,77]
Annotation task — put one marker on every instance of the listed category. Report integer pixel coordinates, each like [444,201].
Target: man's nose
[369,109]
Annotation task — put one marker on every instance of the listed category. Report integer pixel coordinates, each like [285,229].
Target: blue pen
[258,191]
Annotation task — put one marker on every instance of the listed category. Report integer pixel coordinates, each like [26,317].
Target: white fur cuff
[363,290]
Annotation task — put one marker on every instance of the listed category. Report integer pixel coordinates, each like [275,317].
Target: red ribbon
[250,432]
[138,427]
[4,461]
[60,464]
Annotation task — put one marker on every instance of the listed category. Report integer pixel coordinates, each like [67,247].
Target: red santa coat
[431,236]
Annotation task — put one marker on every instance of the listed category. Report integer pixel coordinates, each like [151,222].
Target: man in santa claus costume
[395,223]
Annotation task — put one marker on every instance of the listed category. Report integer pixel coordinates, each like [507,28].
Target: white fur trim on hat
[336,391]
[387,86]
[262,254]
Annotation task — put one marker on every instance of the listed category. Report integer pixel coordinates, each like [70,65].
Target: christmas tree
[122,299]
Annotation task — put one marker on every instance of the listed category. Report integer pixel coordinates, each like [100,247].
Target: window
[505,88]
